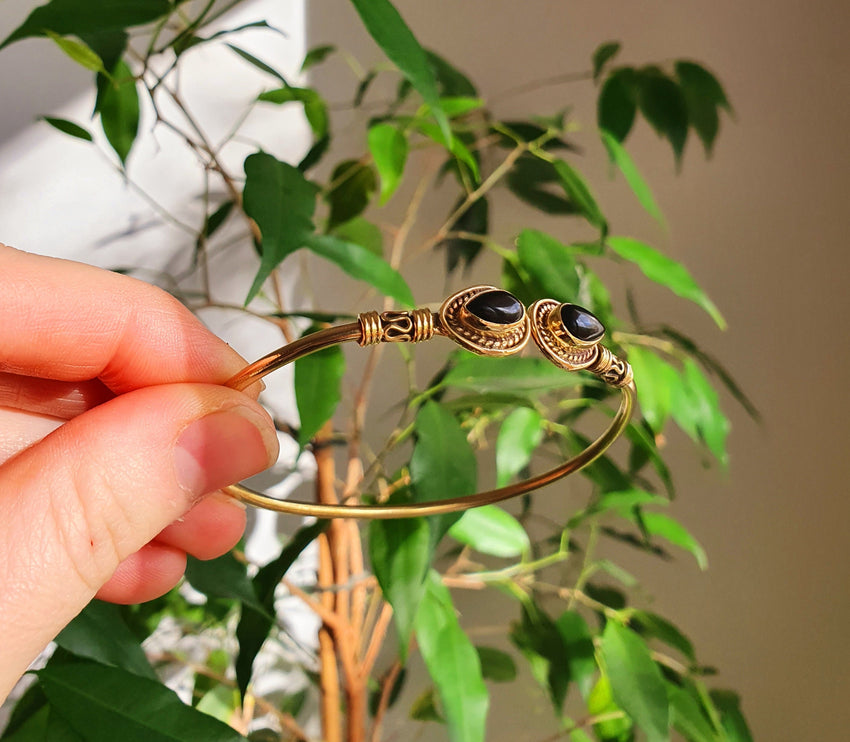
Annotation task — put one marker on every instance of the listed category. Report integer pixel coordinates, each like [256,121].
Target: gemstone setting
[581,324]
[498,307]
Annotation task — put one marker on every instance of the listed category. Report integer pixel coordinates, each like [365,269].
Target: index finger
[72,322]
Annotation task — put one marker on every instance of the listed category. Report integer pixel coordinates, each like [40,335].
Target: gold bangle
[488,321]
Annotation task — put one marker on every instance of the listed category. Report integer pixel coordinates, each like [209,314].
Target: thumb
[100,487]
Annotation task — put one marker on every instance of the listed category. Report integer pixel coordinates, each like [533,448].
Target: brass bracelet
[485,320]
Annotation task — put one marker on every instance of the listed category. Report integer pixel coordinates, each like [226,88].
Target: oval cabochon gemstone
[580,323]
[496,306]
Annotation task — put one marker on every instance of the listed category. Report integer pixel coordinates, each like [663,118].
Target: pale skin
[115,435]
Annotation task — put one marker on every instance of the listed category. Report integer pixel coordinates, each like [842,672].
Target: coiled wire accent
[414,326]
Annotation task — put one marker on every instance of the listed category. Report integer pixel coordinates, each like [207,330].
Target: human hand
[113,425]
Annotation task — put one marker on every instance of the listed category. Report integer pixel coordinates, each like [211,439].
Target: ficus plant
[384,591]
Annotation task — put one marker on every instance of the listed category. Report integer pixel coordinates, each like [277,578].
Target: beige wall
[763,227]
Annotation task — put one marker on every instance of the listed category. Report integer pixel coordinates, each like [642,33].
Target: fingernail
[222,448]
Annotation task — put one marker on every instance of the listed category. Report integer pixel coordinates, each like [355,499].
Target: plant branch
[384,702]
[544,82]
[471,198]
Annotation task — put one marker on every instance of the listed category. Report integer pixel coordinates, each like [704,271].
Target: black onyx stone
[496,306]
[581,324]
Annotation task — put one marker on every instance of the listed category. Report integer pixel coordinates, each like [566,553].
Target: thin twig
[384,702]
[544,82]
[377,640]
[471,198]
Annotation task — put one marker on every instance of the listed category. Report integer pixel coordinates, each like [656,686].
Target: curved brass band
[416,326]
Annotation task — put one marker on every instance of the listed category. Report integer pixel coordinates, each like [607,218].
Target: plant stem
[384,702]
[328,670]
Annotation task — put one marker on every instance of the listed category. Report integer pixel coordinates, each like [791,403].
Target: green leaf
[450,80]
[616,107]
[496,665]
[475,220]
[186,39]
[604,53]
[460,105]
[550,263]
[29,715]
[442,465]
[578,642]
[696,409]
[363,87]
[687,718]
[70,17]
[109,46]
[530,179]
[281,201]
[32,729]
[258,63]
[69,127]
[660,628]
[579,193]
[105,703]
[659,524]
[361,263]
[219,702]
[714,366]
[661,269]
[78,52]
[491,530]
[728,704]
[519,436]
[453,664]
[316,55]
[645,448]
[225,577]
[540,640]
[600,702]
[315,109]
[703,96]
[376,687]
[509,375]
[400,555]
[254,627]
[655,380]
[603,472]
[636,682]
[318,379]
[389,151]
[354,184]
[99,633]
[218,218]
[459,150]
[59,730]
[663,105]
[624,501]
[119,110]
[315,154]
[392,34]
[361,232]
[424,708]
[623,576]
[621,158]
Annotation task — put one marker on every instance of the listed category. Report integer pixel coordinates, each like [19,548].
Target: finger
[62,399]
[211,528]
[152,571]
[93,323]
[19,430]
[100,487]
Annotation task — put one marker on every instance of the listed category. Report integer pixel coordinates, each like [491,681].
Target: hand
[113,426]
